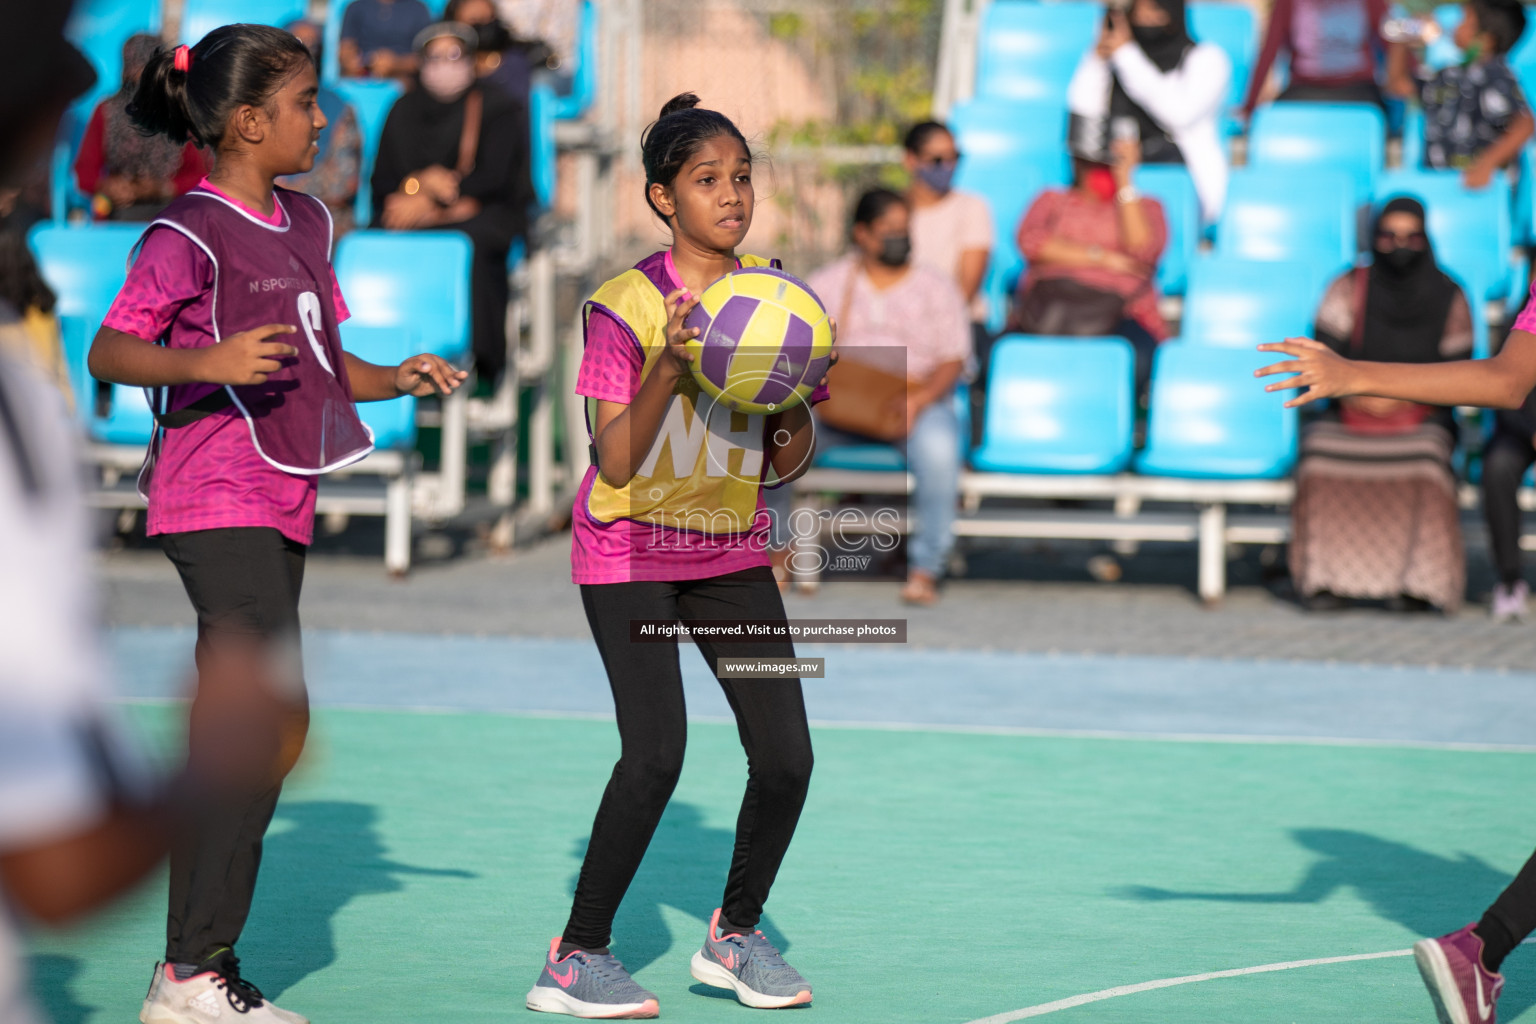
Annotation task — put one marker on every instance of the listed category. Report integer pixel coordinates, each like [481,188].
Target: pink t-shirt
[626,550]
[913,327]
[1526,321]
[208,475]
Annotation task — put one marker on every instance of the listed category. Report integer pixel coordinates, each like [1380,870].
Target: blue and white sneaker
[749,966]
[596,987]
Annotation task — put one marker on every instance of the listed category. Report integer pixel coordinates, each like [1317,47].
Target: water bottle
[1410,30]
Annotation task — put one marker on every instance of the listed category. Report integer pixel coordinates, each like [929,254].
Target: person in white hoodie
[1147,71]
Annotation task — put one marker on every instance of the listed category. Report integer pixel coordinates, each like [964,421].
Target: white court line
[1188,979]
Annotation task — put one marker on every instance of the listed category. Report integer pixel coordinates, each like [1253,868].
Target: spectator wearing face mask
[500,57]
[1093,251]
[338,166]
[1146,72]
[128,175]
[454,155]
[906,319]
[951,232]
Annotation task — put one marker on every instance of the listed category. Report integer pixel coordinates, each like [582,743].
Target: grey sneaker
[749,966]
[590,986]
[1509,601]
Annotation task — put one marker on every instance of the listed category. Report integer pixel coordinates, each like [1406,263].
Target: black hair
[1503,20]
[873,204]
[918,135]
[680,131]
[232,66]
[21,284]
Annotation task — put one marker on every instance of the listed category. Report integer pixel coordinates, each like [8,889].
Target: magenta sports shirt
[208,475]
[624,550]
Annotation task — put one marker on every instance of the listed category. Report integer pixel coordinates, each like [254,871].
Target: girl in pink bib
[229,318]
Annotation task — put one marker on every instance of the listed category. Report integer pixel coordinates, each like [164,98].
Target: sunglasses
[1413,240]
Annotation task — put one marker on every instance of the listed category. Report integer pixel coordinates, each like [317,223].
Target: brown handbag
[863,399]
[1065,308]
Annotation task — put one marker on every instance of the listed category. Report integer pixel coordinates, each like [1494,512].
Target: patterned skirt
[1376,517]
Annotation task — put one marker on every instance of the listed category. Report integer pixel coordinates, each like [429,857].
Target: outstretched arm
[1501,382]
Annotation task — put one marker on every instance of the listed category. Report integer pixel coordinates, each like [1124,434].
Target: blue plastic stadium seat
[882,458]
[199,17]
[1298,137]
[128,420]
[1210,418]
[1240,303]
[371,100]
[1029,50]
[1280,214]
[542,108]
[584,82]
[393,422]
[85,266]
[1471,231]
[1231,27]
[418,279]
[1171,186]
[1011,151]
[1058,405]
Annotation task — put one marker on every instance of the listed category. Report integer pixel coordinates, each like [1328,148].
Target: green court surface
[421,862]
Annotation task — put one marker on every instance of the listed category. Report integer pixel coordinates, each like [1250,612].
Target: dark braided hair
[675,136]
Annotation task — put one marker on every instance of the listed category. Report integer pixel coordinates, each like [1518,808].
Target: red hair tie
[183,59]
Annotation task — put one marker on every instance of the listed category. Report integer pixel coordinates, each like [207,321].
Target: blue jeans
[932,451]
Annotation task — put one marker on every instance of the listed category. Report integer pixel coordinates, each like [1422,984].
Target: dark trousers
[1358,92]
[1515,908]
[1504,465]
[491,231]
[648,699]
[243,582]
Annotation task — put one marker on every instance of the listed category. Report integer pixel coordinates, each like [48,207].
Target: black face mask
[1401,259]
[895,250]
[493,37]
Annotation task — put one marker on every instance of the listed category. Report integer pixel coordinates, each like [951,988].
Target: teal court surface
[989,837]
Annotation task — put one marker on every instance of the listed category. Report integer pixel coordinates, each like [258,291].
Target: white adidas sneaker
[208,997]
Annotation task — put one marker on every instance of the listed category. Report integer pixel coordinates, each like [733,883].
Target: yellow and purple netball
[764,341]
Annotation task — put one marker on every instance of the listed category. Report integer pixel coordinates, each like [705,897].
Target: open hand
[246,358]
[1477,176]
[681,302]
[1323,372]
[427,374]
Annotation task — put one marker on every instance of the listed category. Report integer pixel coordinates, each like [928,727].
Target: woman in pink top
[1334,47]
[1107,237]
[225,282]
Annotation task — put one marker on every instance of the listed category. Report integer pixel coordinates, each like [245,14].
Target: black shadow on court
[1426,893]
[330,856]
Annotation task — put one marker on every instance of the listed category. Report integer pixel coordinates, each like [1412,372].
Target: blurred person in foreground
[1334,47]
[1092,252]
[951,233]
[338,165]
[80,820]
[129,175]
[34,336]
[1146,70]
[454,156]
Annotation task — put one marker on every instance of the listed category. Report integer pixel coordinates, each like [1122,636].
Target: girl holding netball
[668,525]
[230,317]
[1460,969]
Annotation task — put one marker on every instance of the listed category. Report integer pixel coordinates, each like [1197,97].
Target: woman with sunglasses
[952,233]
[1375,515]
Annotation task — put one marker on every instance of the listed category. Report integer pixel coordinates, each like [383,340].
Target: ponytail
[191,93]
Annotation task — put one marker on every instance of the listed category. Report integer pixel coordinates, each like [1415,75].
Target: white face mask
[447,80]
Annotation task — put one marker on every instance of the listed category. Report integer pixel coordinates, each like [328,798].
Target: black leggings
[648,699]
[1504,465]
[243,582]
